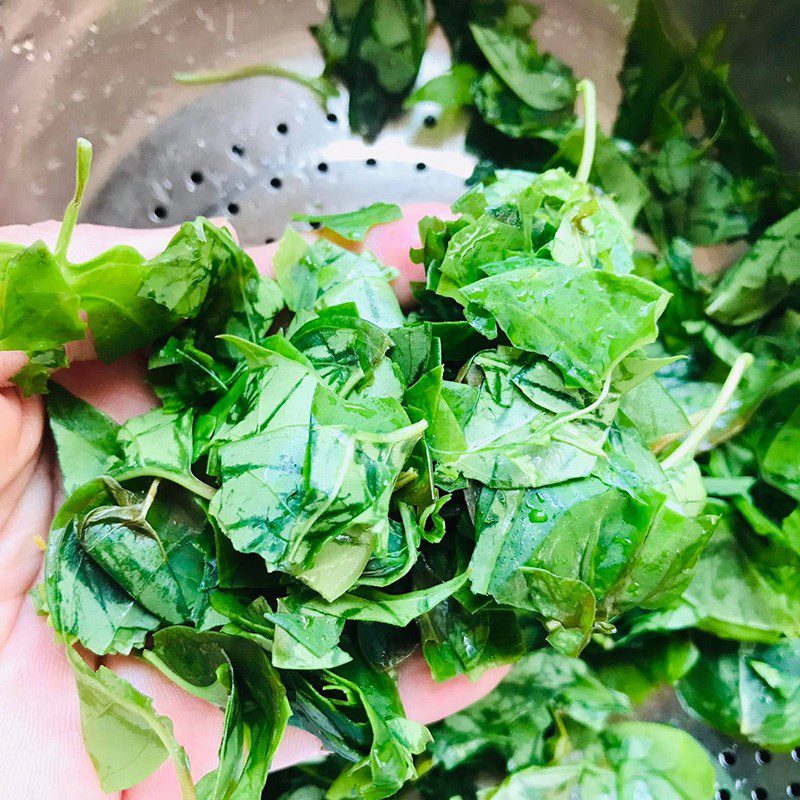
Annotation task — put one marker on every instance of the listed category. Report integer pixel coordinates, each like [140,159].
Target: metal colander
[257,151]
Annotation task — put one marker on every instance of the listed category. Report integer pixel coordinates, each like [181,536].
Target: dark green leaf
[82,600]
[748,691]
[765,277]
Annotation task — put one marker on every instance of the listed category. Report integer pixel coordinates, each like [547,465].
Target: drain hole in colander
[282,128]
[793,790]
[332,117]
[315,225]
[763,756]
[276,183]
[727,758]
[160,212]
[233,208]
[429,121]
[237,150]
[421,166]
[197,177]
[759,793]
[723,794]
[269,240]
[322,166]
[371,162]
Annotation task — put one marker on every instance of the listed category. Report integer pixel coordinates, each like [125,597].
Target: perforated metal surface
[259,150]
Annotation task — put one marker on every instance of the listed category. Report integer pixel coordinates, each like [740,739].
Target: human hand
[42,756]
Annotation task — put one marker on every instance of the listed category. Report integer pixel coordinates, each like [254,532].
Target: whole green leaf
[248,408]
[513,434]
[158,444]
[314,501]
[655,414]
[353,225]
[501,108]
[739,591]
[549,310]
[82,600]
[159,554]
[541,82]
[125,738]
[181,277]
[204,274]
[748,691]
[655,548]
[344,349]
[40,315]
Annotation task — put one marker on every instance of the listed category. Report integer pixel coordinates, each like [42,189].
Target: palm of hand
[41,748]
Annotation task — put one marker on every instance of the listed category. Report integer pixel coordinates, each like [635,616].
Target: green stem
[150,497]
[321,86]
[689,445]
[188,481]
[582,412]
[587,89]
[83,165]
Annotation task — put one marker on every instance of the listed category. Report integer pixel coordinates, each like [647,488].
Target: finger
[118,389]
[27,508]
[426,700]
[392,242]
[42,754]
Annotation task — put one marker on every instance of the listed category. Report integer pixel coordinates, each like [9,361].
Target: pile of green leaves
[570,454]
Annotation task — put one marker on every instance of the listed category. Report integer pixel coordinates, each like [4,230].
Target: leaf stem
[321,86]
[689,445]
[188,481]
[589,93]
[83,165]
[151,495]
[582,412]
